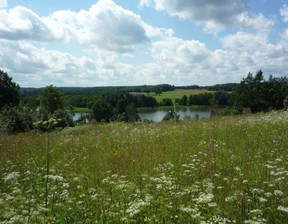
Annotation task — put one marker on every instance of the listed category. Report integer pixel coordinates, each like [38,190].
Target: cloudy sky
[136,42]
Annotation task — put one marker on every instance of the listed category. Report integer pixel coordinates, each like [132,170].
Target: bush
[14,120]
[230,111]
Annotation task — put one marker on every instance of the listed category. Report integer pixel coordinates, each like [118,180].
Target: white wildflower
[282,209]
[278,193]
[11,176]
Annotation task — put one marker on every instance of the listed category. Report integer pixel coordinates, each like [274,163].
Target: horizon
[102,43]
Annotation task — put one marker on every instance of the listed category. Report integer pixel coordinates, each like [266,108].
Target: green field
[178,93]
[217,170]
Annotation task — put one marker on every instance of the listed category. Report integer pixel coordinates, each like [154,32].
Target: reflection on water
[157,115]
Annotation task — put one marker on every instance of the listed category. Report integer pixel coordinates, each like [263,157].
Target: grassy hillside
[178,93]
[218,170]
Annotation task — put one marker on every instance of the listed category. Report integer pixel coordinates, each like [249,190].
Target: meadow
[216,170]
[178,93]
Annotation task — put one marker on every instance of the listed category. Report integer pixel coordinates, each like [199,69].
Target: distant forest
[127,89]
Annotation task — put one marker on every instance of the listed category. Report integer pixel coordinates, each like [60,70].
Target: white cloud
[187,62]
[34,66]
[215,15]
[105,26]
[243,41]
[284,13]
[258,22]
[38,67]
[21,23]
[3,4]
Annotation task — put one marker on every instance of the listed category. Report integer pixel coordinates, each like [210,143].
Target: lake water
[77,115]
[157,115]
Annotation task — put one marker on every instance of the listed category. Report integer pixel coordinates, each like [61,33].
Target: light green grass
[218,170]
[178,93]
[81,110]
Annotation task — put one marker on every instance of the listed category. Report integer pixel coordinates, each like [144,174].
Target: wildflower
[11,176]
[282,209]
[278,193]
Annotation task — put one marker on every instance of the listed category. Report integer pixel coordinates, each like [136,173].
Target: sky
[141,42]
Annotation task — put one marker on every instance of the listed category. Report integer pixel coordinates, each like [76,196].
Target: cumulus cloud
[284,13]
[23,24]
[215,15]
[243,41]
[257,22]
[3,4]
[191,62]
[105,26]
[38,67]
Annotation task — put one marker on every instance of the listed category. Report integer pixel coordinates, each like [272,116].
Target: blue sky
[137,42]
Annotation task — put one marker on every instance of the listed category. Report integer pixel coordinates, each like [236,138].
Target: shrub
[15,120]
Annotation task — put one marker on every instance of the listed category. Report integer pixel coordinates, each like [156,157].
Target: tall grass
[218,170]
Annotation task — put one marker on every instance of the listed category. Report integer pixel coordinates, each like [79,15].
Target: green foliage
[261,95]
[9,91]
[229,112]
[50,100]
[183,101]
[200,99]
[166,102]
[15,120]
[102,110]
[131,113]
[47,125]
[64,118]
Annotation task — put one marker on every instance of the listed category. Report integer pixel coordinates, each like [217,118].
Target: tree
[131,113]
[102,110]
[261,95]
[64,118]
[9,91]
[184,101]
[50,100]
[166,102]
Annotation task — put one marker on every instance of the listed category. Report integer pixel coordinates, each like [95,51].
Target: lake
[157,115]
[77,115]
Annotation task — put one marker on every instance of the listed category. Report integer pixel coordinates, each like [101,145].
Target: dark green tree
[131,113]
[251,93]
[9,91]
[166,102]
[184,100]
[50,100]
[102,110]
